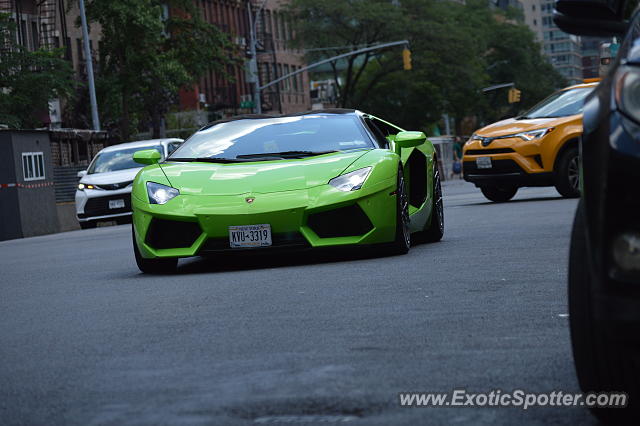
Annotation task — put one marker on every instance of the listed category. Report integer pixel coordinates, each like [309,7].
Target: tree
[338,26]
[147,58]
[29,80]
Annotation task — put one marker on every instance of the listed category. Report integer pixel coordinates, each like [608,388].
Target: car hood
[512,125]
[257,177]
[118,176]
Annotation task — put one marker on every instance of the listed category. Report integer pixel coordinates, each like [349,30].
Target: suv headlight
[160,194]
[351,181]
[627,91]
[83,186]
[534,134]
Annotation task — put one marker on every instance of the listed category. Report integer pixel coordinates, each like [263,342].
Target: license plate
[116,204]
[250,236]
[484,162]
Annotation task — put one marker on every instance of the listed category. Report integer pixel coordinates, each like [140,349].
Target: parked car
[538,148]
[604,264]
[318,179]
[104,190]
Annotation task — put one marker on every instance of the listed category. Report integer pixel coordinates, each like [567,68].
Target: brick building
[222,97]
[52,24]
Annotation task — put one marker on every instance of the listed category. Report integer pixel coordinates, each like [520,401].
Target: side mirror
[599,18]
[147,156]
[409,139]
[82,173]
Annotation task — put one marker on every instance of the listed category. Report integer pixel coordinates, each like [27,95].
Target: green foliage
[146,60]
[29,80]
[456,51]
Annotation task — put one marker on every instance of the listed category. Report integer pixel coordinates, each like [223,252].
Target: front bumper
[514,163]
[316,217]
[93,204]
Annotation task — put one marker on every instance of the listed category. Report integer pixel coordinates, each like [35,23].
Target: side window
[387,129]
[379,135]
[172,147]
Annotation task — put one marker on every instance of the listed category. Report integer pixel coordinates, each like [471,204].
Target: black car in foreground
[604,265]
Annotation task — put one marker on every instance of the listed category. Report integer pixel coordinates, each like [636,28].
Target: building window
[33,165]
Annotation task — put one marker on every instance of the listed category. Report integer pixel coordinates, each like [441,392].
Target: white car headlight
[160,194]
[534,134]
[351,181]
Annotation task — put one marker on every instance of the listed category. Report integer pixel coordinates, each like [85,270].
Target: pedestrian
[456,170]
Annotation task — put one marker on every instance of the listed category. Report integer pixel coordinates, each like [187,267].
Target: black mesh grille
[164,234]
[497,167]
[286,240]
[343,222]
[99,206]
[488,151]
[114,186]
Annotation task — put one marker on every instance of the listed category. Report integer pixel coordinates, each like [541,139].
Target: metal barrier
[444,149]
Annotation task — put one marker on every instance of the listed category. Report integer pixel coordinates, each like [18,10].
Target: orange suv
[539,148]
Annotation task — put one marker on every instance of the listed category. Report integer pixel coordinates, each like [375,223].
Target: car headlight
[627,91]
[351,181]
[160,194]
[534,134]
[83,186]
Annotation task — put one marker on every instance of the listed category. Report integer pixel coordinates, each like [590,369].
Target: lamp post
[89,64]
[253,61]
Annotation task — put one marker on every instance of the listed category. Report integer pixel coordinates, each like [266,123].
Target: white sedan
[104,190]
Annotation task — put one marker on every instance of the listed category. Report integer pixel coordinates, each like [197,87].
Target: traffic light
[514,95]
[406,59]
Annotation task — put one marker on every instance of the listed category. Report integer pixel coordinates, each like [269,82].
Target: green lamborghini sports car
[256,182]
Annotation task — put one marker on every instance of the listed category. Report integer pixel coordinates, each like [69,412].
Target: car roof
[337,111]
[139,144]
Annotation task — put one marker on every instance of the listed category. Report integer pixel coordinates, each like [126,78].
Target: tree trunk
[125,121]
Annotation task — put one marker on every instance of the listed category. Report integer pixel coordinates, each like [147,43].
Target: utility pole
[89,64]
[253,61]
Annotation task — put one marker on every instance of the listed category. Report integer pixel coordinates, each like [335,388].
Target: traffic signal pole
[406,59]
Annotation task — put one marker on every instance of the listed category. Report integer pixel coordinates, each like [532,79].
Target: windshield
[121,159]
[560,104]
[275,138]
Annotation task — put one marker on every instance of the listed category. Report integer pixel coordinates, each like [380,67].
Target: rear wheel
[499,194]
[153,266]
[402,243]
[567,174]
[601,364]
[435,231]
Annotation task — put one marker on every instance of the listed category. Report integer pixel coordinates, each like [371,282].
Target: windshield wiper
[286,154]
[208,160]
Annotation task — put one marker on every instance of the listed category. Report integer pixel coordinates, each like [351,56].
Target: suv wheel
[88,225]
[499,194]
[567,175]
[602,365]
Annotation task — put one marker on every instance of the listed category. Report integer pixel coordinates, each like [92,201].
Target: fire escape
[267,66]
[47,13]
[47,23]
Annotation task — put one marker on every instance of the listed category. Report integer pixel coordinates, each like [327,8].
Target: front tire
[402,242]
[153,266]
[567,174]
[601,365]
[499,194]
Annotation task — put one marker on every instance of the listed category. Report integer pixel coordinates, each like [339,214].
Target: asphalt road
[85,339]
